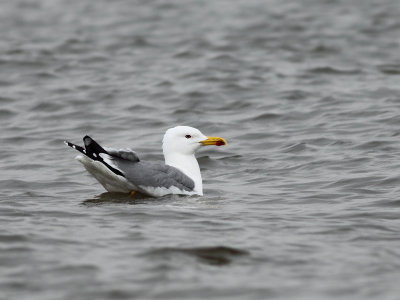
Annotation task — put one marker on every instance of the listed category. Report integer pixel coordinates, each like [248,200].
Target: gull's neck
[187,163]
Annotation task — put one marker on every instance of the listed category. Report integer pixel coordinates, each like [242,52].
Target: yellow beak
[211,140]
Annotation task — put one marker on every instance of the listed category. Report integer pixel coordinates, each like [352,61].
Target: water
[303,203]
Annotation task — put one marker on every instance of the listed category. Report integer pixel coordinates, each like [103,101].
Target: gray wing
[125,154]
[151,174]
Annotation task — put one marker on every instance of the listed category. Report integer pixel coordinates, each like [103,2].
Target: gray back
[154,174]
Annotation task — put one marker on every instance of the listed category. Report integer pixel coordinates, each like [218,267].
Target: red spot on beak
[219,143]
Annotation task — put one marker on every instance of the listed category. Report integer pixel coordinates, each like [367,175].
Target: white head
[179,146]
[186,140]
[182,139]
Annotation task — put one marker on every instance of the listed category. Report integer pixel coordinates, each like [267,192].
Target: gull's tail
[94,151]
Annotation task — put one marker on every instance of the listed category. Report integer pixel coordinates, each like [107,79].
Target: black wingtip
[87,140]
[92,146]
[68,143]
[93,149]
[76,147]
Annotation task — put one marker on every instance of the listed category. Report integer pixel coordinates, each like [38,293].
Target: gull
[121,170]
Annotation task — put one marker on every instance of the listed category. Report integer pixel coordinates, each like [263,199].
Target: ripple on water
[334,71]
[390,69]
[12,238]
[295,94]
[219,255]
[7,113]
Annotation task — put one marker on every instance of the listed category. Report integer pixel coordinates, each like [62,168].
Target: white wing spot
[74,147]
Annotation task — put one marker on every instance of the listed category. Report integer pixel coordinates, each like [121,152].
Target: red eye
[188,136]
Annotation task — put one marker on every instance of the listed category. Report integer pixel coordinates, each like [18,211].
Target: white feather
[110,181]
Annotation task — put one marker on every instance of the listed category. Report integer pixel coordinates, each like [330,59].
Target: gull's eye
[188,136]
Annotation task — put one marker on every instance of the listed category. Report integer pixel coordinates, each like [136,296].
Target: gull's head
[186,140]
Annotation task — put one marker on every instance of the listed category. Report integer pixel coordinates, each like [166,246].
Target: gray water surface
[304,201]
